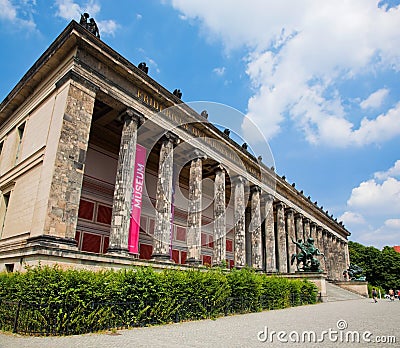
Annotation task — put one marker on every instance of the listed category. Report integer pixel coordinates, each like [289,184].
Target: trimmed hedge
[49,300]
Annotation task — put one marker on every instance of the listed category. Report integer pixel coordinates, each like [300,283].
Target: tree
[382,268]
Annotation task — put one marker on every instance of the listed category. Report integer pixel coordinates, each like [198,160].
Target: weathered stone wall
[69,164]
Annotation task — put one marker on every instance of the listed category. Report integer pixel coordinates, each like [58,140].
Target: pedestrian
[374,295]
[391,294]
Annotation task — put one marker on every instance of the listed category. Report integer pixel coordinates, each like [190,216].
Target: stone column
[255,229]
[281,235]
[299,226]
[123,189]
[269,233]
[320,245]
[331,256]
[313,230]
[325,238]
[291,232]
[219,252]
[162,229]
[306,226]
[338,271]
[342,259]
[347,256]
[194,210]
[239,221]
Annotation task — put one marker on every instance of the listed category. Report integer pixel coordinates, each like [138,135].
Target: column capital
[267,197]
[279,204]
[238,179]
[197,154]
[313,224]
[130,114]
[298,216]
[254,189]
[306,220]
[320,228]
[289,211]
[219,168]
[170,137]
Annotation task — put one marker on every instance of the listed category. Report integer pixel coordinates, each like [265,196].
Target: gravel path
[380,319]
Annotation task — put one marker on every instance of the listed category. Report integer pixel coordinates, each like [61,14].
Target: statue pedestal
[358,287]
[319,279]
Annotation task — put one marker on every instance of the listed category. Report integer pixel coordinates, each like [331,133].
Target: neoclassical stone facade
[69,132]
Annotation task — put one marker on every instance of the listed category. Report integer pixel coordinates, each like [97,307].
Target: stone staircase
[335,293]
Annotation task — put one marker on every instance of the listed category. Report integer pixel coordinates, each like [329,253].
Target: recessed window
[20,133]
[3,210]
[9,267]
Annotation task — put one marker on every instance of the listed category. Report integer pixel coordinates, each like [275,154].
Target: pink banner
[136,208]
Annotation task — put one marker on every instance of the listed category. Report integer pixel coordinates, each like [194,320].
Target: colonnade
[262,237]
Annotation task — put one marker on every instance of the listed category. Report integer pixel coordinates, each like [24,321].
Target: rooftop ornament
[244,146]
[204,113]
[142,66]
[227,131]
[91,26]
[177,93]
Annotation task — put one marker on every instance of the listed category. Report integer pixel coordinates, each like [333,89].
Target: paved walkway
[381,319]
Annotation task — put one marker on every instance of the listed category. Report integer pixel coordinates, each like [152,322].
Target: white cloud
[392,172]
[298,52]
[375,100]
[139,16]
[15,13]
[69,9]
[393,224]
[375,198]
[352,218]
[108,27]
[373,209]
[8,11]
[219,71]
[153,63]
[387,234]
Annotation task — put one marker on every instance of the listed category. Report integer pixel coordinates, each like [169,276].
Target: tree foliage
[381,267]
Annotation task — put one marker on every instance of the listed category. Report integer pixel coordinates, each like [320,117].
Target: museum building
[101,166]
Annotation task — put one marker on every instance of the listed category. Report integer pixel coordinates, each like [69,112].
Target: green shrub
[50,300]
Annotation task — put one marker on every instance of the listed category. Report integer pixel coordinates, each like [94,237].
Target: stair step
[336,293]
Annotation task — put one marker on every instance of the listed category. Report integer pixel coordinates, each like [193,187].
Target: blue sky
[320,79]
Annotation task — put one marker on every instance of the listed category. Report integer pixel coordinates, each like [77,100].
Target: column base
[118,252]
[161,258]
[193,262]
[258,270]
[220,264]
[49,240]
